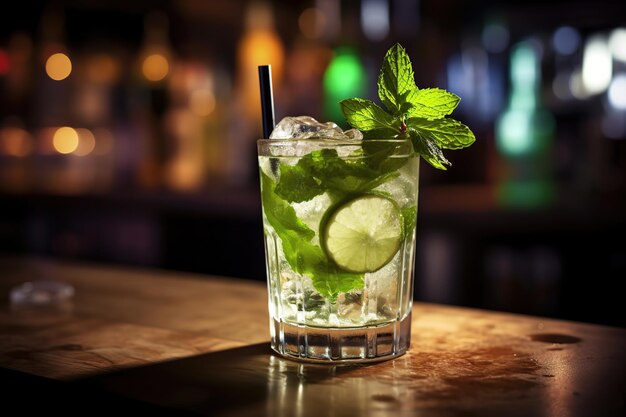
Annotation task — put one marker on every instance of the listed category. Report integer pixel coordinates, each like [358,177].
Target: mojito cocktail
[339,216]
[339,224]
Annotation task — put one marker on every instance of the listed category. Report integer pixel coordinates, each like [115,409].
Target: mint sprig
[411,113]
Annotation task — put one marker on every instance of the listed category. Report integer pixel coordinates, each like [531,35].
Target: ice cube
[304,127]
[353,134]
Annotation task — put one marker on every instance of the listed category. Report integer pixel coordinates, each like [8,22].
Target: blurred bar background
[128,129]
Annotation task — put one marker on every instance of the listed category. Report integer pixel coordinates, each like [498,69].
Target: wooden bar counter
[139,341]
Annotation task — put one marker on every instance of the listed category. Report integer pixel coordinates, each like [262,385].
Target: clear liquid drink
[339,222]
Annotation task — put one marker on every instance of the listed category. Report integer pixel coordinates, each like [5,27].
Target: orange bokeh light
[155,67]
[58,66]
[65,140]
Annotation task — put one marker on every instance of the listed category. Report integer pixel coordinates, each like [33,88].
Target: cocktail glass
[339,222]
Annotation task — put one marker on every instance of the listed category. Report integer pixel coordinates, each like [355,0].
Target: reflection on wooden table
[169,343]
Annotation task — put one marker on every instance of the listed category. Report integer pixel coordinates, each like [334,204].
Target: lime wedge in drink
[362,234]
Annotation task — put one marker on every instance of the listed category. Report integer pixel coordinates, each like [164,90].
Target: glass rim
[356,142]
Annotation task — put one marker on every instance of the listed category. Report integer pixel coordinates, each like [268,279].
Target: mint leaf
[365,115]
[409,217]
[396,80]
[336,174]
[309,259]
[280,214]
[351,184]
[301,254]
[323,170]
[431,103]
[332,282]
[449,133]
[382,155]
[342,177]
[296,185]
[428,149]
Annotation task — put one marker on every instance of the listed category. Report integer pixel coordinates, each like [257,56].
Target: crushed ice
[305,127]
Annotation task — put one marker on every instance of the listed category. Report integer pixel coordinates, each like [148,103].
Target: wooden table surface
[169,343]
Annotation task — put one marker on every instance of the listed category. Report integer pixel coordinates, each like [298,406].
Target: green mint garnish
[323,170]
[418,115]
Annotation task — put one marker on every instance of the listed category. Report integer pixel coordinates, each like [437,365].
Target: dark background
[179,190]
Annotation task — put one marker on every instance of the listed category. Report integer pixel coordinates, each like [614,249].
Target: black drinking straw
[267,99]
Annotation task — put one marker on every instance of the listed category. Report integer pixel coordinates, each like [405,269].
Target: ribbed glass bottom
[356,344]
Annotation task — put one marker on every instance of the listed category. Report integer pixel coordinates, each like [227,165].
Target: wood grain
[199,344]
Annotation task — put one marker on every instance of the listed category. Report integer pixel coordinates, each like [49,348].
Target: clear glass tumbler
[339,223]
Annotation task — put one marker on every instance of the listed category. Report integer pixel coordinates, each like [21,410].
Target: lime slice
[363,234]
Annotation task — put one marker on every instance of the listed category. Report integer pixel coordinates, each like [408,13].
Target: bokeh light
[86,142]
[561,86]
[515,136]
[202,102]
[576,86]
[312,22]
[155,67]
[617,44]
[597,65]
[259,45]
[375,19]
[566,40]
[15,141]
[65,140]
[617,92]
[58,66]
[524,128]
[344,78]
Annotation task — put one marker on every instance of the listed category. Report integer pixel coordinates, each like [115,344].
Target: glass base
[332,345]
